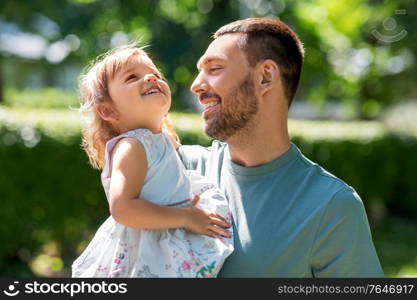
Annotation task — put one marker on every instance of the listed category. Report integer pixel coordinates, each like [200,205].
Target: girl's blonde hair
[93,86]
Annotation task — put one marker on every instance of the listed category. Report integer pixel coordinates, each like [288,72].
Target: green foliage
[344,60]
[44,98]
[397,247]
[49,195]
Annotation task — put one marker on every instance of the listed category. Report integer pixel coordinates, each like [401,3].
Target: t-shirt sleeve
[194,157]
[343,245]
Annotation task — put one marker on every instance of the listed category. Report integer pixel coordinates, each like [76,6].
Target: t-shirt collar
[292,153]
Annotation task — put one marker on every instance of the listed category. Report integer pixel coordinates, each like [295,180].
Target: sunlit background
[355,111]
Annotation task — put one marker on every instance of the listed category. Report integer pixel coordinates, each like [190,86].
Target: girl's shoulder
[155,144]
[143,135]
[151,143]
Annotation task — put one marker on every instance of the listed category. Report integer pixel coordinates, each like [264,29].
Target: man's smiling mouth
[210,104]
[209,100]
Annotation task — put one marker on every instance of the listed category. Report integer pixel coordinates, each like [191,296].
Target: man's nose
[199,85]
[150,78]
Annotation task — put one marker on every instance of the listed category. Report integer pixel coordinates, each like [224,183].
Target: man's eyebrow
[205,60]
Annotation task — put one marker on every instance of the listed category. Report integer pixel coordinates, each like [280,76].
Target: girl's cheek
[166,86]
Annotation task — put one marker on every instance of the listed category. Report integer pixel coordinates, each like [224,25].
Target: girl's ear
[269,75]
[106,112]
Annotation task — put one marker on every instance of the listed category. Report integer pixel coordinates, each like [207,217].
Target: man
[291,217]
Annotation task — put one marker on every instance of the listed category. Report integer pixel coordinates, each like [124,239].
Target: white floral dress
[120,251]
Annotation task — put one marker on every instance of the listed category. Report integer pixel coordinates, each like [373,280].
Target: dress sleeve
[343,245]
[142,136]
[147,139]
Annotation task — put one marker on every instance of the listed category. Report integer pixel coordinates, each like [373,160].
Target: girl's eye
[130,77]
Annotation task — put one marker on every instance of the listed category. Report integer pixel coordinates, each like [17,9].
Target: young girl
[154,229]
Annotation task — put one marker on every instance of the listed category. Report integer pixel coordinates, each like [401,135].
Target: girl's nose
[150,78]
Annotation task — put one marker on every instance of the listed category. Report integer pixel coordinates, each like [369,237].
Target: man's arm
[343,245]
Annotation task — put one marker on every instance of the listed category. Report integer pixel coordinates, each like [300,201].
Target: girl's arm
[129,167]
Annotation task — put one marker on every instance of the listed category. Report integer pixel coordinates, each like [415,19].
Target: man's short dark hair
[270,39]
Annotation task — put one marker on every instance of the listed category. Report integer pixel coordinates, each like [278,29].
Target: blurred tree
[356,51]
[1,81]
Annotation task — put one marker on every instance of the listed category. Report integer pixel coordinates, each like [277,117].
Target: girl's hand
[201,222]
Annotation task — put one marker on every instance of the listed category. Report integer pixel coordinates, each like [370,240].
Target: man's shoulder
[322,190]
[324,179]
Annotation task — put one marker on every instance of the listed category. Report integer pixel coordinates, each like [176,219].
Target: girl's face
[140,95]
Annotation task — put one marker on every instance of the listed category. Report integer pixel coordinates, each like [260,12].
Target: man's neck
[259,145]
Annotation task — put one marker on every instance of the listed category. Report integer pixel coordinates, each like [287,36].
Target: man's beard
[236,111]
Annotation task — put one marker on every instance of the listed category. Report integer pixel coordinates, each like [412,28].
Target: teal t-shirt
[291,218]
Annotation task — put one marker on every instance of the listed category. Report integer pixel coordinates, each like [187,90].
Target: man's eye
[214,69]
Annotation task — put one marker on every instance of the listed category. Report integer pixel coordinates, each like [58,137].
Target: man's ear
[269,74]
[106,112]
